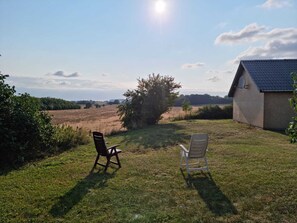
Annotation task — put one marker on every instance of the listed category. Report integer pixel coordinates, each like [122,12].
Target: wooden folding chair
[102,150]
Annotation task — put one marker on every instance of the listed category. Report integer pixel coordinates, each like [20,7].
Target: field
[104,119]
[253,178]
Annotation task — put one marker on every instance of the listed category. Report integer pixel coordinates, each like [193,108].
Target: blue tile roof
[268,75]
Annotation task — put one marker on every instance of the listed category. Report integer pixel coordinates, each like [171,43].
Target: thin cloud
[272,4]
[253,33]
[272,50]
[192,65]
[278,42]
[62,74]
[248,33]
[65,83]
[214,79]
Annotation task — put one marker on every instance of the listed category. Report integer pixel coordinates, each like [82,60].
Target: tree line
[202,99]
[48,103]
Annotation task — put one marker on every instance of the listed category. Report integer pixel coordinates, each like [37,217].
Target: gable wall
[248,104]
[278,112]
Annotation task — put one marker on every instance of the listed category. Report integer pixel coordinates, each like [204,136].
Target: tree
[146,104]
[292,129]
[186,106]
[88,105]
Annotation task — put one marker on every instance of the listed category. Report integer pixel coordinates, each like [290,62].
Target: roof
[268,75]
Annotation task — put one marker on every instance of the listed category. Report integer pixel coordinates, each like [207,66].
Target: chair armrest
[114,146]
[184,148]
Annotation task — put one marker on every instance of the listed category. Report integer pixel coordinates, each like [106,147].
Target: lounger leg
[205,159]
[181,159]
[96,161]
[187,165]
[118,160]
[107,163]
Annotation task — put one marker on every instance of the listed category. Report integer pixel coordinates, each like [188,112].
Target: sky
[97,49]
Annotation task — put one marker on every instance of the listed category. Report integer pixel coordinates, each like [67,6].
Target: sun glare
[160,6]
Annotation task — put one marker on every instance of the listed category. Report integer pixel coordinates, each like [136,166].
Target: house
[261,90]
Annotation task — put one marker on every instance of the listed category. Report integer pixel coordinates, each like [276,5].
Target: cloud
[214,79]
[249,33]
[277,42]
[253,33]
[192,65]
[64,83]
[270,4]
[272,50]
[62,74]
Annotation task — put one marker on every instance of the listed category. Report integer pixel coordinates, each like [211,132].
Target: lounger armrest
[184,148]
[114,146]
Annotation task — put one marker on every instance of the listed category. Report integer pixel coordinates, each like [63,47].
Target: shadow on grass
[75,195]
[157,136]
[216,201]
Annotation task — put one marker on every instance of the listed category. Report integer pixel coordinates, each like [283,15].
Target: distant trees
[57,104]
[202,99]
[145,105]
[292,129]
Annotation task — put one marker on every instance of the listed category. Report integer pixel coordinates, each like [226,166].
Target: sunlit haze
[98,49]
[160,6]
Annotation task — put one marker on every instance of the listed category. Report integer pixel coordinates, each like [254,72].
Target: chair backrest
[100,143]
[198,145]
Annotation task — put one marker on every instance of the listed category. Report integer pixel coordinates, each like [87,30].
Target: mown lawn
[253,178]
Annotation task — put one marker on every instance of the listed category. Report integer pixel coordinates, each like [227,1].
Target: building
[261,90]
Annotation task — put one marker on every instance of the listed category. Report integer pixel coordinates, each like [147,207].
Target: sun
[160,6]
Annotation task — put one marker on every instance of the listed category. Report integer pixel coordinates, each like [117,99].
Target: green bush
[209,112]
[26,133]
[215,112]
[145,105]
[66,137]
[292,129]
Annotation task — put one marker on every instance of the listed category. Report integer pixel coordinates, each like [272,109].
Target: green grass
[253,178]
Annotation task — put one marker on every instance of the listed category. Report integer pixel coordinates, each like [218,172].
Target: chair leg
[118,160]
[205,159]
[187,165]
[181,160]
[107,163]
[96,160]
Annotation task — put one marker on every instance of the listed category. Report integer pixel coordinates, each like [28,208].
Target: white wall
[248,103]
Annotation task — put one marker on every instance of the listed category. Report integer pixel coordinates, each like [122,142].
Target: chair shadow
[82,188]
[157,136]
[216,201]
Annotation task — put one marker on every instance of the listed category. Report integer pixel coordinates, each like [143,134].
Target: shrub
[292,129]
[208,112]
[215,112]
[26,133]
[145,105]
[66,137]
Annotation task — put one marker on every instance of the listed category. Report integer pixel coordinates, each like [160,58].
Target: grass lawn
[253,178]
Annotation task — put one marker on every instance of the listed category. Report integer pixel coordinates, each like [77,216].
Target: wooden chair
[196,152]
[102,150]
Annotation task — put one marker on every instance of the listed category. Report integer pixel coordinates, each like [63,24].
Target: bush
[209,112]
[215,112]
[26,133]
[66,137]
[145,105]
[292,128]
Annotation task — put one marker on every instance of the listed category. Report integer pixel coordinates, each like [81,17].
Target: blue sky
[97,49]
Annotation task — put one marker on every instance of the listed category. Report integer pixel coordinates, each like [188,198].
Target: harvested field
[104,119]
